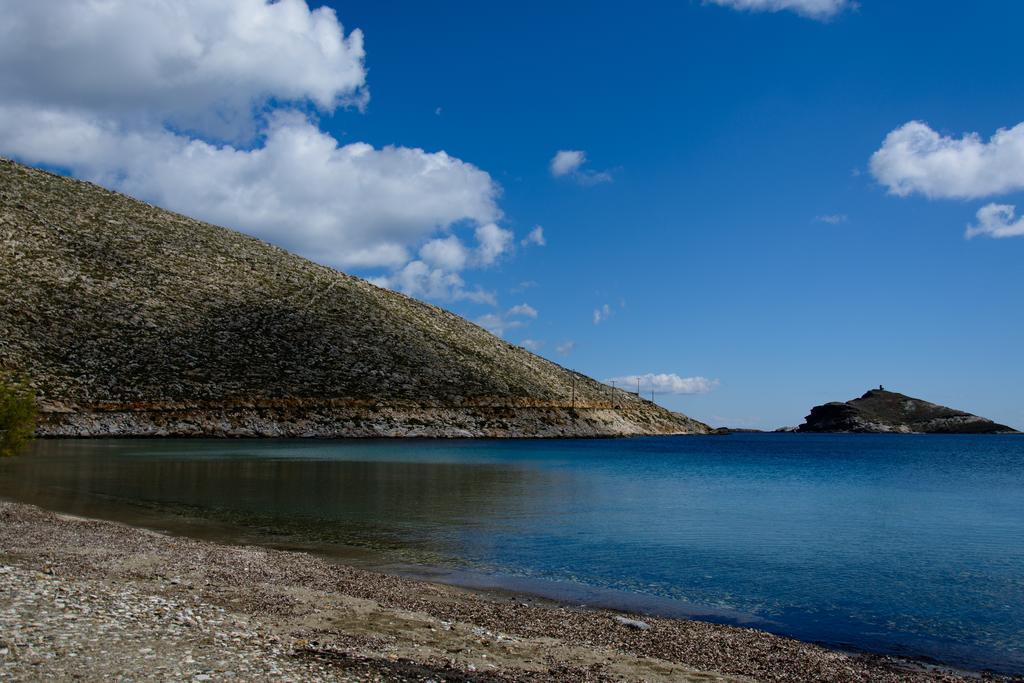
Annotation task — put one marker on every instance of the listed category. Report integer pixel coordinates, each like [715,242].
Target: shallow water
[891,543]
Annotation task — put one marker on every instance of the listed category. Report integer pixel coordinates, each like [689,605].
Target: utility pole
[638,387]
[652,395]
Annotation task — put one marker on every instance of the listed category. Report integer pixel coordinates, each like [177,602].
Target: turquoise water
[901,544]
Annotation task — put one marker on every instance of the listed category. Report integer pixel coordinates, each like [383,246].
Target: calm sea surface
[903,544]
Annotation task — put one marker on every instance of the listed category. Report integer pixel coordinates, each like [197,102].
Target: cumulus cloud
[420,280]
[915,158]
[448,253]
[499,323]
[451,254]
[207,107]
[203,65]
[531,344]
[350,206]
[435,275]
[569,163]
[814,9]
[565,348]
[601,314]
[566,161]
[494,242]
[997,220]
[524,310]
[832,218]
[534,237]
[665,383]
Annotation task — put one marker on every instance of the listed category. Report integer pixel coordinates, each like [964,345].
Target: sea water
[899,544]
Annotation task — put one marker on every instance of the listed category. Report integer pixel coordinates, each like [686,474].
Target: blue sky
[727,222]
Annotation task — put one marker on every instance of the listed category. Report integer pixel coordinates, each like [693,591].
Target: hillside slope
[887,411]
[131,320]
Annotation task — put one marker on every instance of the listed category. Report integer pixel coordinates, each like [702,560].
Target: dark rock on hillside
[131,320]
[887,411]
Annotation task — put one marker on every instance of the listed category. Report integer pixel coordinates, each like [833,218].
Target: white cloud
[497,324]
[204,65]
[349,206]
[601,314]
[915,158]
[565,348]
[524,310]
[435,275]
[448,253]
[997,220]
[169,102]
[569,163]
[535,236]
[587,177]
[665,383]
[500,323]
[815,9]
[524,285]
[418,279]
[832,218]
[494,242]
[531,344]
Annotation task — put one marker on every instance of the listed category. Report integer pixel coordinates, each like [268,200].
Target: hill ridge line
[135,321]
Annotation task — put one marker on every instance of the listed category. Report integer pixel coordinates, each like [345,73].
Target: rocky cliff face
[886,411]
[130,320]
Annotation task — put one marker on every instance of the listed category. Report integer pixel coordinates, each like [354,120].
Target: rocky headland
[881,411]
[134,321]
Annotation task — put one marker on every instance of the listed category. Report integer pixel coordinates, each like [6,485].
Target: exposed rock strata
[886,411]
[131,320]
[328,419]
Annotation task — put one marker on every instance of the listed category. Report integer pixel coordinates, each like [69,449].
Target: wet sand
[88,599]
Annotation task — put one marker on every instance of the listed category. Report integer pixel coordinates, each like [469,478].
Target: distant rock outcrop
[886,411]
[134,321]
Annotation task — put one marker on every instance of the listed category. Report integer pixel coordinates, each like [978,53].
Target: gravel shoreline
[85,599]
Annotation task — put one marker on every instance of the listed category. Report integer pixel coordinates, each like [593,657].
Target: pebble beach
[89,600]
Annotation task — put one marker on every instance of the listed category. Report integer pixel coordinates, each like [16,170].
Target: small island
[881,411]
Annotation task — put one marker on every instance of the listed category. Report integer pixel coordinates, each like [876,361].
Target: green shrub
[17,415]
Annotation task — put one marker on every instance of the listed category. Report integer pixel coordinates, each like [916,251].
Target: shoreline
[339,418]
[312,619]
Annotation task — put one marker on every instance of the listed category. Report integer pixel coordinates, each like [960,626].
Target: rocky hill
[131,320]
[887,411]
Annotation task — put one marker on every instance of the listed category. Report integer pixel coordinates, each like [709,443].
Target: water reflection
[279,495]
